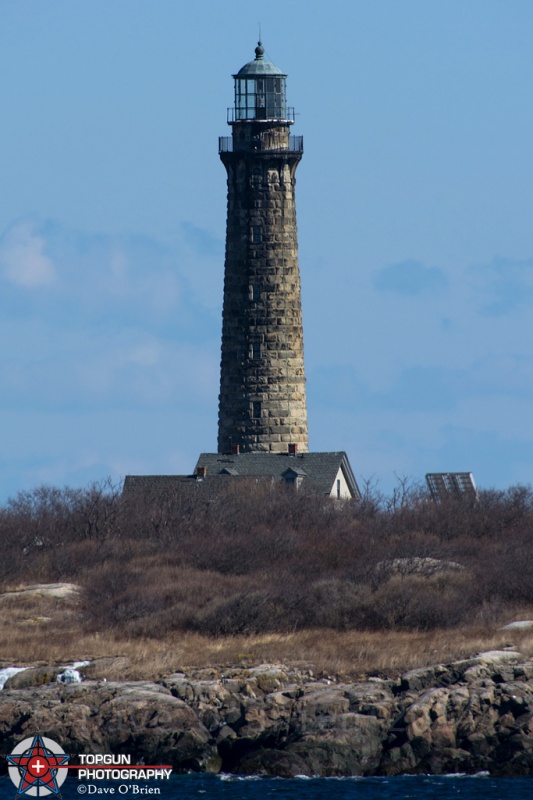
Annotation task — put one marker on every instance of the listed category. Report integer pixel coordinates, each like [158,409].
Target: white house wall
[344,488]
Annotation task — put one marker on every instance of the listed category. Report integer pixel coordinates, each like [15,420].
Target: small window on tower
[256,409]
[255,292]
[256,234]
[256,350]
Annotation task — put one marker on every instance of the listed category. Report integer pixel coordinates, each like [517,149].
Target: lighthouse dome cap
[259,67]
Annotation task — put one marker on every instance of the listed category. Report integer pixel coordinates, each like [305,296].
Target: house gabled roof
[317,473]
[187,486]
[317,470]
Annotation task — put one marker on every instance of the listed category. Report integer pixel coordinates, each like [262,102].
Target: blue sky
[414,202]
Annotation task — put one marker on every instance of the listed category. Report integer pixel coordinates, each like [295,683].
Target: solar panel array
[445,485]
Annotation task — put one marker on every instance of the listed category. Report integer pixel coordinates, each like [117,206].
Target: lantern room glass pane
[260,98]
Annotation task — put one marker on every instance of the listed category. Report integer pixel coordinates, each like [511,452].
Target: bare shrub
[244,613]
[425,603]
[261,558]
[335,603]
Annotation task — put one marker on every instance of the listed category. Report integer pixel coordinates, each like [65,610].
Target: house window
[256,409]
[256,234]
[292,479]
[338,489]
[256,350]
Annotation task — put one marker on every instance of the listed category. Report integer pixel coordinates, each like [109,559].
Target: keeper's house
[326,474]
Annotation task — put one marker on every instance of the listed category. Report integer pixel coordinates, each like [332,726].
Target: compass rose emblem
[36,767]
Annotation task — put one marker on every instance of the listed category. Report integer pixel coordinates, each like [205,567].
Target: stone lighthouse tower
[262,422]
[262,403]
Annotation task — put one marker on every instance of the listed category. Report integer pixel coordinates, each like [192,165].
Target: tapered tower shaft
[262,404]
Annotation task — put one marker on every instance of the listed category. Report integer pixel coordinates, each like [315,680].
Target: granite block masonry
[262,403]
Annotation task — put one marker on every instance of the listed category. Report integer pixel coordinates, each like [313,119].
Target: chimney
[200,473]
[236,449]
[293,449]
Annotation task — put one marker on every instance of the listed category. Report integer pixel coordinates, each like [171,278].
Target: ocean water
[226,787]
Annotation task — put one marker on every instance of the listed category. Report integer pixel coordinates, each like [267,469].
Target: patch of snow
[70,674]
[7,673]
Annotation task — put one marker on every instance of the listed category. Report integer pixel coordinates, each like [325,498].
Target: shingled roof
[313,473]
[155,484]
[317,471]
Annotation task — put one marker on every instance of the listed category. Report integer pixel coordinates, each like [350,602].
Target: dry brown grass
[43,630]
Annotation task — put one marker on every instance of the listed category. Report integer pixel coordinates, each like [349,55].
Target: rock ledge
[467,716]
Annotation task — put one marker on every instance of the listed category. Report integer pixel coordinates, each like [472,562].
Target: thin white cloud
[121,269]
[23,261]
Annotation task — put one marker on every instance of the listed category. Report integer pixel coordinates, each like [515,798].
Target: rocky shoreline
[468,716]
